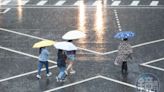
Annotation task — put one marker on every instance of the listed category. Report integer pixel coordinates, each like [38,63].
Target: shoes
[66,72]
[38,76]
[57,79]
[72,72]
[49,74]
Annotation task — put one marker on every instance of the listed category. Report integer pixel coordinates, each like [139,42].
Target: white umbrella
[74,34]
[65,46]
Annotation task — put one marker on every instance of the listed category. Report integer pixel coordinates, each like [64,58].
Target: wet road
[53,22]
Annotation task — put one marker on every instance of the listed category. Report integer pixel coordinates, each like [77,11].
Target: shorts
[71,57]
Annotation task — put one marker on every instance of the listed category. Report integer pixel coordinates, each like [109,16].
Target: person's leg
[39,67]
[47,70]
[126,67]
[40,64]
[122,69]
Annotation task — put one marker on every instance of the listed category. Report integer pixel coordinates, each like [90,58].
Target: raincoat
[124,52]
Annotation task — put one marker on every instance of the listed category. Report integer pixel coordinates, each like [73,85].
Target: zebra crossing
[8,4]
[76,3]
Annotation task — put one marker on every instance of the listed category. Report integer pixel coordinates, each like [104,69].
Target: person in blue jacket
[61,57]
[43,60]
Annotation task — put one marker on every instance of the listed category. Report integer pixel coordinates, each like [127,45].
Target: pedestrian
[71,56]
[124,54]
[61,63]
[43,60]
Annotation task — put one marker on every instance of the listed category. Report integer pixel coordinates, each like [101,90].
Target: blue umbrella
[124,34]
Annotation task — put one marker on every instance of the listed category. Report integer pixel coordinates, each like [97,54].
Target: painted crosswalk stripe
[60,3]
[95,3]
[8,9]
[25,2]
[154,3]
[134,3]
[77,3]
[6,2]
[115,3]
[42,2]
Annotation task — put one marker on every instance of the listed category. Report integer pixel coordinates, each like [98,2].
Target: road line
[124,83]
[147,43]
[72,84]
[6,10]
[42,2]
[24,2]
[135,3]
[110,52]
[116,3]
[24,74]
[5,2]
[60,3]
[153,61]
[153,67]
[154,3]
[95,3]
[22,34]
[22,53]
[77,3]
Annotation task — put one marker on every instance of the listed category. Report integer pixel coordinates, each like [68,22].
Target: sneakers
[38,76]
[59,80]
[72,72]
[66,72]
[49,74]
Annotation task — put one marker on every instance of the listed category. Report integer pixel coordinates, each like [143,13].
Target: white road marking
[135,3]
[154,3]
[24,74]
[77,3]
[22,53]
[6,10]
[110,52]
[5,2]
[116,3]
[124,83]
[153,61]
[7,30]
[60,3]
[95,3]
[72,84]
[153,67]
[24,2]
[42,2]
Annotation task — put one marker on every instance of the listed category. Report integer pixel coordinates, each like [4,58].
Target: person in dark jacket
[61,57]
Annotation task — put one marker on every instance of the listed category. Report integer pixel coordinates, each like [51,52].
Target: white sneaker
[66,72]
[38,76]
[49,74]
[72,72]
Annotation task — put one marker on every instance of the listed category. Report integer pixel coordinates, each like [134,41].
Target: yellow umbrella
[43,43]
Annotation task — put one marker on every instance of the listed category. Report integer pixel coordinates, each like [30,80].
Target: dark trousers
[124,66]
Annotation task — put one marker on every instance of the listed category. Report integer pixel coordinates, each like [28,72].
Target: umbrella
[43,43]
[74,34]
[65,46]
[124,34]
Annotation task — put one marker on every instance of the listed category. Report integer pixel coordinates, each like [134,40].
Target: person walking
[61,63]
[71,55]
[124,54]
[43,60]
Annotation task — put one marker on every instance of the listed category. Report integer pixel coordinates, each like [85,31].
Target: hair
[40,49]
[70,40]
[125,39]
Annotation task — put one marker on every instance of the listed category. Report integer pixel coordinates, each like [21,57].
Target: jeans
[40,65]
[61,74]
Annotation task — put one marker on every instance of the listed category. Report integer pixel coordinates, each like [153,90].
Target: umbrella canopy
[124,34]
[65,46]
[74,34]
[43,43]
